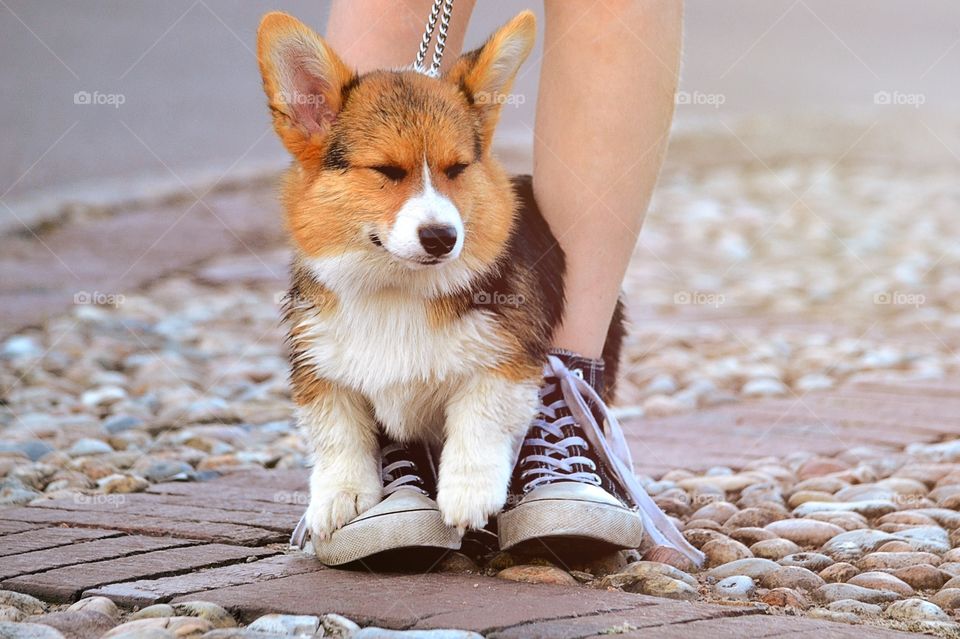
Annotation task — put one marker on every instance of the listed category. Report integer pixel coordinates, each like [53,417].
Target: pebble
[810,560]
[663,586]
[839,572]
[538,575]
[698,537]
[805,532]
[154,611]
[215,614]
[642,570]
[9,613]
[832,615]
[457,562]
[752,518]
[89,446]
[853,545]
[337,626]
[895,560]
[286,624]
[25,603]
[180,627]
[13,630]
[122,483]
[738,587]
[723,551]
[881,581]
[77,624]
[868,508]
[793,577]
[774,549]
[947,598]
[915,610]
[718,511]
[168,471]
[833,592]
[372,632]
[921,576]
[858,608]
[784,598]
[752,567]
[670,556]
[97,604]
[750,535]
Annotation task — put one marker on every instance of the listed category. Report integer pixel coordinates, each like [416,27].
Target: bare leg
[373,34]
[603,113]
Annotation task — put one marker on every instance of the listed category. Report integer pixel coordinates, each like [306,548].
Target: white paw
[334,506]
[467,501]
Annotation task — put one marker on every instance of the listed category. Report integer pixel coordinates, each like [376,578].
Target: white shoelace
[612,449]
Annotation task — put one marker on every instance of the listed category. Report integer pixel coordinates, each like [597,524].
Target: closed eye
[394,173]
[453,172]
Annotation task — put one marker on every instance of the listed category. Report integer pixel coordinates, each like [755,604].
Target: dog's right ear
[304,80]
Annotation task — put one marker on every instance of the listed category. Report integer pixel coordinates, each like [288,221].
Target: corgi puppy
[426,286]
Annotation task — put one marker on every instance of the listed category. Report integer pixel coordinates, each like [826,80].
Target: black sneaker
[407,517]
[573,483]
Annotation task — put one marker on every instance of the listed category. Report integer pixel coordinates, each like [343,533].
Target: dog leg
[486,421]
[345,480]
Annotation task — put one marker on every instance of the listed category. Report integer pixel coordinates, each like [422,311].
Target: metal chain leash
[444,18]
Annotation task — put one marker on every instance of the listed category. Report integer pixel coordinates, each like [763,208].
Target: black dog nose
[437,239]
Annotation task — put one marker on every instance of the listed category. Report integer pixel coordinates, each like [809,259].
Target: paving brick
[150,591]
[66,584]
[79,553]
[8,527]
[150,506]
[759,626]
[29,541]
[109,519]
[401,601]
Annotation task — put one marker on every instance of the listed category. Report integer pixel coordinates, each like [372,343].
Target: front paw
[332,507]
[468,501]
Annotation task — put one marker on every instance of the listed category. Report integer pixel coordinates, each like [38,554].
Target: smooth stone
[168,470]
[952,568]
[670,556]
[818,467]
[774,549]
[915,610]
[103,396]
[881,581]
[853,545]
[153,612]
[727,483]
[9,613]
[752,518]
[120,423]
[26,603]
[640,570]
[737,587]
[764,387]
[921,576]
[538,575]
[784,598]
[953,582]
[839,572]
[457,562]
[947,598]
[803,496]
[793,577]
[337,626]
[829,485]
[834,592]
[927,539]
[868,508]
[752,567]
[810,560]
[723,551]
[895,560]
[749,536]
[700,536]
[858,608]
[119,484]
[98,604]
[865,492]
[847,521]
[832,615]
[286,624]
[77,624]
[663,586]
[14,630]
[215,614]
[718,511]
[805,532]
[179,627]
[951,555]
[709,524]
[895,546]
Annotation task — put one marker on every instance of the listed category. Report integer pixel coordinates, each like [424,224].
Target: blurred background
[803,235]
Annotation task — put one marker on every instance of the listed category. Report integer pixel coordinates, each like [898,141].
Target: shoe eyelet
[577,372]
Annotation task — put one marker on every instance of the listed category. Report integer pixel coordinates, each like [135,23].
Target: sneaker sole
[570,519]
[408,529]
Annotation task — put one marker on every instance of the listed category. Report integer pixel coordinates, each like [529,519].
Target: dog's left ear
[304,80]
[485,75]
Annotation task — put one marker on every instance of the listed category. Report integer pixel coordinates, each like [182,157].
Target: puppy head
[392,166]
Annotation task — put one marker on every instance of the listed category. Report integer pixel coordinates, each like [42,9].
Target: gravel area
[750,281]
